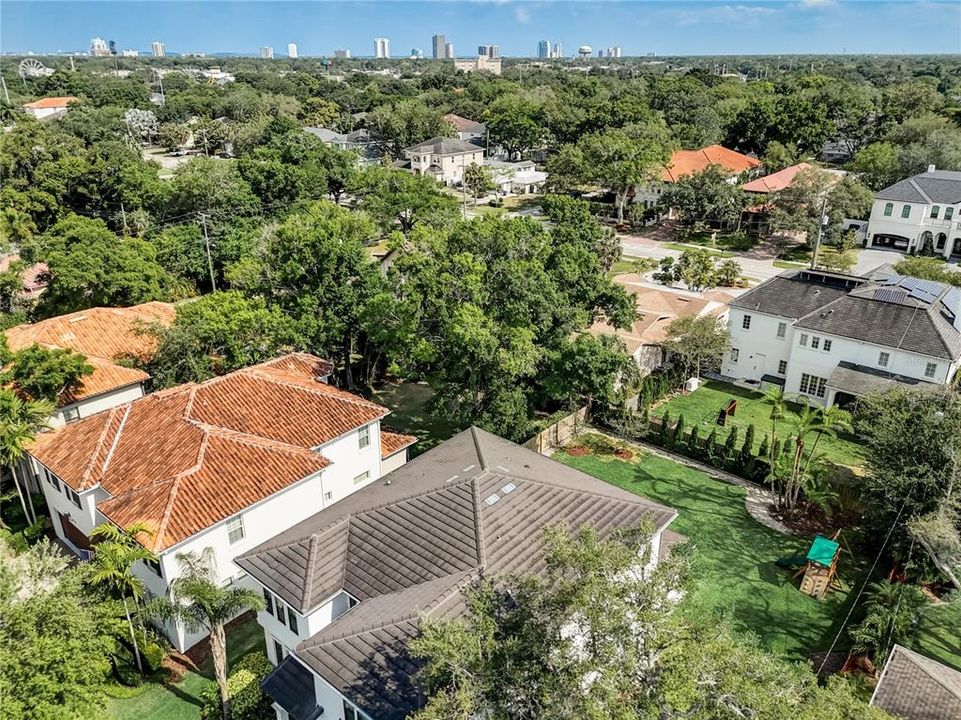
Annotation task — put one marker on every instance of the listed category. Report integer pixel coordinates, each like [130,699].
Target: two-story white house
[346,588]
[443,159]
[830,338]
[227,464]
[920,214]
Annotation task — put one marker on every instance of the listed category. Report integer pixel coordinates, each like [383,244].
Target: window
[71,414]
[280,652]
[905,211]
[888,209]
[883,359]
[782,367]
[74,498]
[351,601]
[734,354]
[363,477]
[781,329]
[268,601]
[279,611]
[812,385]
[930,369]
[350,713]
[948,213]
[363,437]
[53,480]
[746,322]
[292,621]
[827,345]
[328,495]
[803,340]
[235,529]
[154,566]
[815,342]
[935,210]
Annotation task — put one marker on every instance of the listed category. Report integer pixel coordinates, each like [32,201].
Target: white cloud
[816,3]
[723,13]
[522,14]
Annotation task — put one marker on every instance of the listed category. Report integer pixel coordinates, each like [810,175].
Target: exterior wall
[451,165]
[349,460]
[760,350]
[392,462]
[40,113]
[84,517]
[914,227]
[98,403]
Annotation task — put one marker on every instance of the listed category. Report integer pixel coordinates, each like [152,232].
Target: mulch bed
[624,454]
[576,450]
[808,519]
[198,654]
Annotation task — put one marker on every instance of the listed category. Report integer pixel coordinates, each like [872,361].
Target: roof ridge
[478,524]
[481,458]
[245,438]
[116,436]
[255,371]
[443,596]
[639,501]
[95,456]
[917,187]
[176,488]
[309,575]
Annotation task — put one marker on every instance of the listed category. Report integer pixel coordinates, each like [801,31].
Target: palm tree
[809,421]
[832,421]
[20,421]
[775,396]
[116,552]
[202,604]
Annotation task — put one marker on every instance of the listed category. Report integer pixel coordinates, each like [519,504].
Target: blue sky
[665,28]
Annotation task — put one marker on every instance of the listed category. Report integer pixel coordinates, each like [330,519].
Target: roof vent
[79,318]
[931,168]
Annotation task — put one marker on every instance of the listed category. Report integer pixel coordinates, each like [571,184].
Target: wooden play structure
[818,567]
[727,412]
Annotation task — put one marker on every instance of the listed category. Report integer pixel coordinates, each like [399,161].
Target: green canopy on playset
[822,551]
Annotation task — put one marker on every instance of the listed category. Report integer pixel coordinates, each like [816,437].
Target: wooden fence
[559,433]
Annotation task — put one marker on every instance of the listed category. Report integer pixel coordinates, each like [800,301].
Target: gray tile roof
[792,294]
[291,686]
[406,545]
[860,379]
[443,146]
[916,687]
[938,186]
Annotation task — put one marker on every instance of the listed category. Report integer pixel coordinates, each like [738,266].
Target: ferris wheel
[31,67]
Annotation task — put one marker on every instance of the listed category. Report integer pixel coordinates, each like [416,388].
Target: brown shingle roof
[406,545]
[916,687]
[186,458]
[104,336]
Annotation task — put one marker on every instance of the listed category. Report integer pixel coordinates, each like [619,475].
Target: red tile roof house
[48,107]
[227,463]
[690,162]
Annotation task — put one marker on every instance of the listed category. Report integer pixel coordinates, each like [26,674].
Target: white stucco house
[516,178]
[347,587]
[443,159]
[48,107]
[829,338]
[920,214]
[226,464]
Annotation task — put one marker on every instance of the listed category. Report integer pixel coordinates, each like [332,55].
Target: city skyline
[638,28]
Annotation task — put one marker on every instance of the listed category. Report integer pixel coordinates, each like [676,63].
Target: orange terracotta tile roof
[32,276]
[392,443]
[189,457]
[50,102]
[689,162]
[775,181]
[104,336]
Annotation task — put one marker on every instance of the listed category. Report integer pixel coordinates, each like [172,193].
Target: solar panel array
[890,295]
[952,301]
[927,291]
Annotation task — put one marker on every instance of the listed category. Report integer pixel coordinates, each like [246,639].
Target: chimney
[931,168]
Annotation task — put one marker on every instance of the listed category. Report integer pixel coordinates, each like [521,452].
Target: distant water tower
[584,51]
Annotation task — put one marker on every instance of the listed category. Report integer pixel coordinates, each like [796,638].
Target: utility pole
[210,260]
[817,243]
[6,94]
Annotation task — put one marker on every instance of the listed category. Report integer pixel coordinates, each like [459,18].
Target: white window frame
[232,525]
[734,354]
[815,342]
[781,330]
[362,478]
[883,359]
[803,340]
[746,322]
[827,345]
[71,414]
[363,437]
[812,385]
[782,367]
[930,370]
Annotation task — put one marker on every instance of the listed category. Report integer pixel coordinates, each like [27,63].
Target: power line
[863,585]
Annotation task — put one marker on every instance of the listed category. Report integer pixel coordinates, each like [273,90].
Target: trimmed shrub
[730,447]
[677,433]
[247,700]
[764,450]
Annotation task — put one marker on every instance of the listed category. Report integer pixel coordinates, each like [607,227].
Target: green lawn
[788,265]
[734,572]
[736,242]
[703,405]
[713,253]
[939,634]
[182,701]
[408,414]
